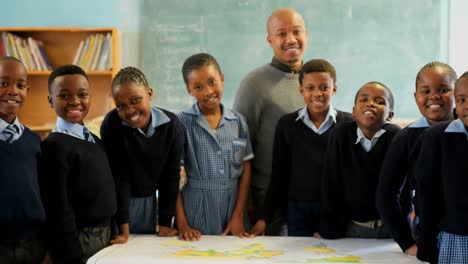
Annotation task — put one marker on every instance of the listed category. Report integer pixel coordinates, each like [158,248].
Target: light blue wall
[84,13]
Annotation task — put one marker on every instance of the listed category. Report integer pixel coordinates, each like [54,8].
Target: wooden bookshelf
[61,45]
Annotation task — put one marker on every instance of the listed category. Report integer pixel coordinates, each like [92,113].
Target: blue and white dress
[213,161]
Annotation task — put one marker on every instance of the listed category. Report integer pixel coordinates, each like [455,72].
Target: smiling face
[317,89]
[287,36]
[13,89]
[206,85]
[133,103]
[372,108]
[434,94]
[461,100]
[70,97]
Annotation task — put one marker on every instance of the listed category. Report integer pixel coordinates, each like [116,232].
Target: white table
[143,249]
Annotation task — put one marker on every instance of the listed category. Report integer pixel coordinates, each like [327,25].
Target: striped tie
[10,132]
[150,131]
[87,135]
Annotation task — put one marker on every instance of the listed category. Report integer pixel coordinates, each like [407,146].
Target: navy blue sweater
[297,162]
[78,191]
[350,178]
[22,214]
[396,182]
[442,179]
[142,165]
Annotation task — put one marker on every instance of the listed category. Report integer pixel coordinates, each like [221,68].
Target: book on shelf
[94,53]
[32,50]
[14,49]
[83,52]
[28,50]
[97,51]
[89,52]
[77,55]
[43,55]
[104,59]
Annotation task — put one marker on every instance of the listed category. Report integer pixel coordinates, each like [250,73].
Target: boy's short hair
[197,61]
[129,74]
[10,58]
[67,69]
[317,65]
[464,75]
[391,101]
[432,64]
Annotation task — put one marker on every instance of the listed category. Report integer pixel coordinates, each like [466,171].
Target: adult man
[269,92]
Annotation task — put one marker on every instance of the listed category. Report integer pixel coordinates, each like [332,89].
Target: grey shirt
[265,95]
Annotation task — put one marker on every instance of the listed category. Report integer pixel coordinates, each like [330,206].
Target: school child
[144,145]
[434,98]
[216,159]
[352,164]
[300,144]
[441,171]
[75,177]
[22,215]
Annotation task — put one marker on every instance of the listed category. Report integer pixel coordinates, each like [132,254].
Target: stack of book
[29,51]
[94,53]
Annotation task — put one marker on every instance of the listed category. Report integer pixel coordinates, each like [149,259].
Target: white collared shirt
[158,117]
[456,126]
[71,129]
[366,143]
[330,119]
[420,123]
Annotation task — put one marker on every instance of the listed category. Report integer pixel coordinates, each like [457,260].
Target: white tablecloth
[143,249]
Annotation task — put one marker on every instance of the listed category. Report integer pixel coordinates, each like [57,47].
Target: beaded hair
[451,72]
[129,74]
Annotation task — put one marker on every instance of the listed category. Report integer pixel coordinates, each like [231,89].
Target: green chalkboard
[378,40]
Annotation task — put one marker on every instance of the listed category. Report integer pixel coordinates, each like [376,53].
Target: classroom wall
[123,14]
[387,41]
[381,40]
[458,41]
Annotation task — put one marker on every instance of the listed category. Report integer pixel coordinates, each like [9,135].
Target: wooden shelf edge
[91,73]
[58,29]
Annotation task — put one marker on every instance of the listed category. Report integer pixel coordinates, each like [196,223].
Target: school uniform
[22,214]
[78,192]
[441,176]
[142,163]
[299,147]
[349,182]
[397,184]
[213,163]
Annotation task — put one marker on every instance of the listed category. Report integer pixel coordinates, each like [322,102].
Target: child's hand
[317,235]
[119,239]
[47,258]
[259,228]
[165,231]
[236,227]
[183,177]
[188,234]
[412,251]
